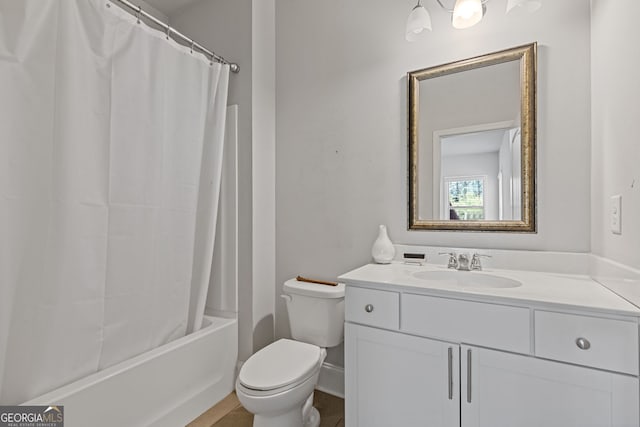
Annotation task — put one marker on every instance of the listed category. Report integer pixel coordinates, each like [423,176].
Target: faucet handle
[453,259]
[475,261]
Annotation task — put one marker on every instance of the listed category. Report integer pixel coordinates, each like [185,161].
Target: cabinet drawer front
[491,325]
[604,343]
[372,307]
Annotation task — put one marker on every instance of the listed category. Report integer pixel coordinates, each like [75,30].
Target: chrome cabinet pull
[450,354]
[368,308]
[583,343]
[468,375]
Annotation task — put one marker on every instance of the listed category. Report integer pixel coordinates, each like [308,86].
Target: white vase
[383,250]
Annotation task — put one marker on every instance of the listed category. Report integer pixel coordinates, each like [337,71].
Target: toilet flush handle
[286,297]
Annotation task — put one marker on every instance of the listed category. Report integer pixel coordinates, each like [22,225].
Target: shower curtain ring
[168,32]
[139,13]
[192,42]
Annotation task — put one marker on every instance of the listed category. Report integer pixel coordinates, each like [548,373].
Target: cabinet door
[506,390]
[392,379]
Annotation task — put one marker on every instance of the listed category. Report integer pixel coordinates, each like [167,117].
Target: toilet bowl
[276,384]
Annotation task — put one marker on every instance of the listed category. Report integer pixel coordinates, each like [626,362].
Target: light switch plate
[615,214]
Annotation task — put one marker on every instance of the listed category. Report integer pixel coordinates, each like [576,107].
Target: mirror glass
[472,143]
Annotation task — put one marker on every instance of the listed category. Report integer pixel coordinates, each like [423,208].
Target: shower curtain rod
[235,68]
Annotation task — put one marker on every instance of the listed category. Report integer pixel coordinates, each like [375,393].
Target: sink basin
[467,279]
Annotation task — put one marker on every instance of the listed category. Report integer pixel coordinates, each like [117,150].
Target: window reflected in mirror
[465,197]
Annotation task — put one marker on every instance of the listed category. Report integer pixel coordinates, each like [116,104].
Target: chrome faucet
[462,263]
[475,261]
[453,259]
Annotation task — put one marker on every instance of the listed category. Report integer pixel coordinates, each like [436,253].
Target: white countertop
[571,291]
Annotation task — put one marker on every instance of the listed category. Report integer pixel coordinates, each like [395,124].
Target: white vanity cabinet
[501,389]
[414,359]
[396,379]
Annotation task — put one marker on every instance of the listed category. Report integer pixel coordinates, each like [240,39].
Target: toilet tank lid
[292,286]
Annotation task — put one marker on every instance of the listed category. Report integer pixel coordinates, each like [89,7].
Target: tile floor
[229,412]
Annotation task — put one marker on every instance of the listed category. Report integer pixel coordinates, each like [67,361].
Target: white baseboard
[331,380]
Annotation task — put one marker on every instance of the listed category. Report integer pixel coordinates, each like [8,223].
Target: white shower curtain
[110,163]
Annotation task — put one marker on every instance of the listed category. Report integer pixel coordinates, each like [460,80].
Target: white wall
[614,120]
[243,31]
[341,127]
[264,170]
[225,27]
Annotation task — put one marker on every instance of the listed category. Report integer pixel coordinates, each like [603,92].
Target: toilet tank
[316,312]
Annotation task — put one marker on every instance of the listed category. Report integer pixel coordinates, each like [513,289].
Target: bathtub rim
[211,325]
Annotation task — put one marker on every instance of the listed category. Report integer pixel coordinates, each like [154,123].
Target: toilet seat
[279,367]
[273,392]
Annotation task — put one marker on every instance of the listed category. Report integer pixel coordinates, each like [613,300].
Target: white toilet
[276,384]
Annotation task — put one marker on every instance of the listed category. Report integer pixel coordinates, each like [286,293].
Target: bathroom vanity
[428,346]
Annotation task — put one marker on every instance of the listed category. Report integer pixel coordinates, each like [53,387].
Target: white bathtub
[168,386]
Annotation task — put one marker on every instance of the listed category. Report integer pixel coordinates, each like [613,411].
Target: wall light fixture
[465,14]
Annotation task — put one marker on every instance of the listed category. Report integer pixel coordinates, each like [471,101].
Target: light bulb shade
[466,13]
[418,21]
[529,5]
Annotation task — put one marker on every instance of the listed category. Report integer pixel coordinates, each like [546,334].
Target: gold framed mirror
[472,143]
